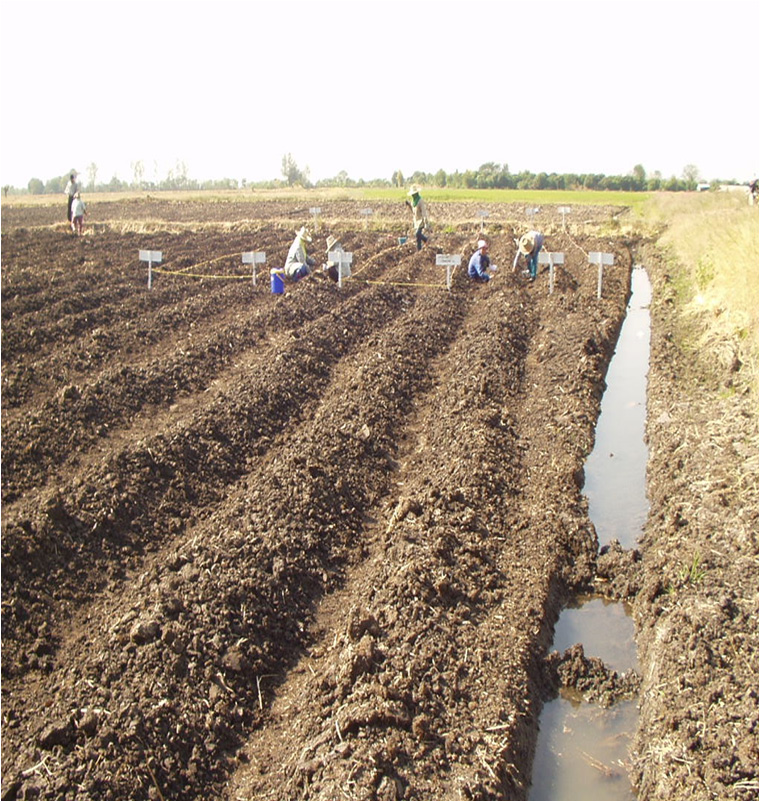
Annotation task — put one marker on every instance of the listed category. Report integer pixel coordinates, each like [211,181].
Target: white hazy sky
[369,87]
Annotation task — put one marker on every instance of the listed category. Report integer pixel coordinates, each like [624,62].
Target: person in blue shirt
[528,247]
[480,262]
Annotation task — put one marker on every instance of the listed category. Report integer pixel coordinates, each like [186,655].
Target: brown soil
[315,545]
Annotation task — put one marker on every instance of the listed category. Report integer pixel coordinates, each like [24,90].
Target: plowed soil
[314,545]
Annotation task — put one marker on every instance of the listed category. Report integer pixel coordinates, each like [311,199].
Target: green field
[434,194]
[537,197]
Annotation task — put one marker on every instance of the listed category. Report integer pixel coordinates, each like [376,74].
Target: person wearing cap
[78,211]
[419,210]
[71,189]
[528,247]
[331,268]
[298,263]
[480,263]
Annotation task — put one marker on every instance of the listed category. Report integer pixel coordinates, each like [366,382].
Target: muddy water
[582,749]
[616,468]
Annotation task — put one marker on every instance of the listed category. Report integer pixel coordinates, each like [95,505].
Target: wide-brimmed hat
[331,242]
[414,190]
[303,233]
[482,243]
[526,244]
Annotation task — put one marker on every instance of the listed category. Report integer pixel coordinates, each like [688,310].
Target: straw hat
[526,244]
[303,234]
[414,190]
[482,243]
[331,242]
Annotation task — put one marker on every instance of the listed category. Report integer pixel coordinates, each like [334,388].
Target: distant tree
[138,174]
[691,175]
[92,175]
[35,186]
[291,172]
[397,179]
[115,185]
[440,178]
[639,176]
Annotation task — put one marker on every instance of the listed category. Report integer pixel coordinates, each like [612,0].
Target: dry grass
[713,237]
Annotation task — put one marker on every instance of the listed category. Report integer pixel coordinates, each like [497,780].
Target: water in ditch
[582,750]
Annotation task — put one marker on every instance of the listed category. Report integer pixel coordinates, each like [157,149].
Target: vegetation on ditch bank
[711,243]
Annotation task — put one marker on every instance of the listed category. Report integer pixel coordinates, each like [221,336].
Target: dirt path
[314,546]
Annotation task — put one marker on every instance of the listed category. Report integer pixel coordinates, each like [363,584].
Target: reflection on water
[604,628]
[582,748]
[615,470]
[583,752]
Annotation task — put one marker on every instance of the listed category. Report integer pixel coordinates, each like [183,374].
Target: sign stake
[150,257]
[254,258]
[601,259]
[343,261]
[450,261]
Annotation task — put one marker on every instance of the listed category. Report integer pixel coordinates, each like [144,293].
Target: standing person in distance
[78,211]
[419,210]
[71,189]
[528,247]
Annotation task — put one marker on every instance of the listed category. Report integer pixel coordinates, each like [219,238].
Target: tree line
[490,175]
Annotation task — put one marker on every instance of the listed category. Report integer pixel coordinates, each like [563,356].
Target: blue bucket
[402,240]
[278,285]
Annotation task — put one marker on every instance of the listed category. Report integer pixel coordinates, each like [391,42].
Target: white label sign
[315,210]
[448,259]
[254,258]
[150,256]
[597,258]
[340,256]
[546,258]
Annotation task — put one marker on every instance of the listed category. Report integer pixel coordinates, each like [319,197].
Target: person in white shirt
[71,189]
[78,211]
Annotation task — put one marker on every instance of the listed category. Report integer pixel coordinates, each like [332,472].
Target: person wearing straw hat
[480,263]
[71,190]
[298,263]
[419,210]
[528,247]
[331,268]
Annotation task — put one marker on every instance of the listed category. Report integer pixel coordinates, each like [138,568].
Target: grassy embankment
[711,242]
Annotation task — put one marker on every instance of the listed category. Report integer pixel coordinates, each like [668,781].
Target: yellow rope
[403,283]
[198,275]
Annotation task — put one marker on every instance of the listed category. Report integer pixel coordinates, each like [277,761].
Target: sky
[229,88]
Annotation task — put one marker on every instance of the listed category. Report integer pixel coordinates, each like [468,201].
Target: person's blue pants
[533,264]
[420,239]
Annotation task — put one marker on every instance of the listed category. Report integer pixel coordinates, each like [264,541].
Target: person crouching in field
[298,263]
[480,263]
[78,211]
[529,247]
[332,268]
